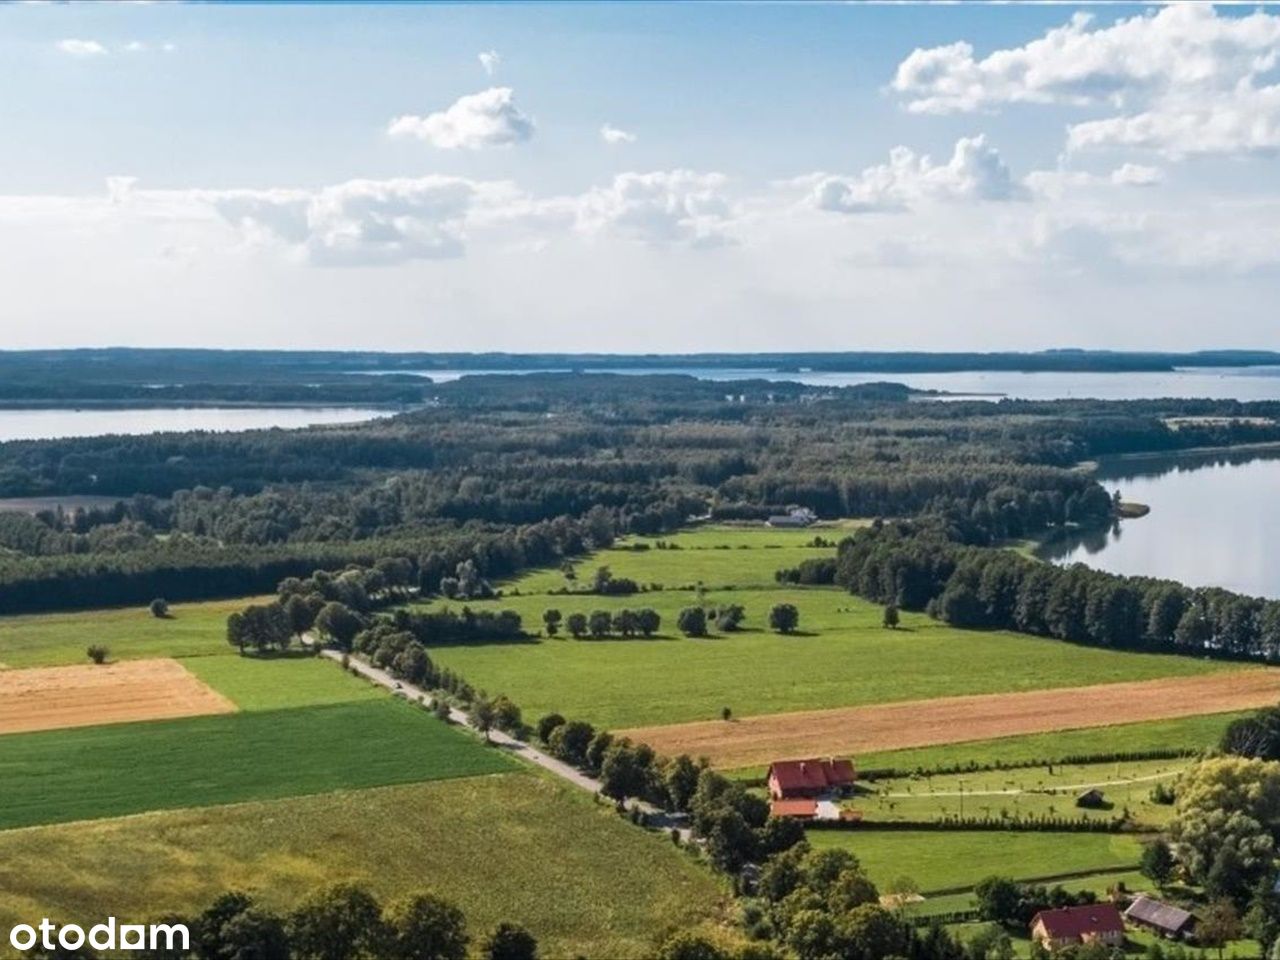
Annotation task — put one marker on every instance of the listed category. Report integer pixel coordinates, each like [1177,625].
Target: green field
[1024,792]
[515,847]
[277,683]
[715,556]
[131,633]
[107,771]
[843,657]
[940,860]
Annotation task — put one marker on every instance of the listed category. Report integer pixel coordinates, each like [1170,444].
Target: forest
[511,471]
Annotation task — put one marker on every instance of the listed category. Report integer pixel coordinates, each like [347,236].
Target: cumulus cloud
[1243,120]
[662,208]
[82,48]
[974,172]
[490,60]
[486,119]
[1183,79]
[1175,47]
[362,222]
[613,135]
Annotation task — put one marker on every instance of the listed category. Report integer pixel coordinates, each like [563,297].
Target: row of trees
[691,621]
[601,623]
[917,568]
[734,823]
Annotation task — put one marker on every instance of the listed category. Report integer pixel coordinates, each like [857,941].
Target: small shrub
[98,653]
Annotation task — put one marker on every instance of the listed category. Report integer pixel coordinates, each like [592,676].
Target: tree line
[916,567]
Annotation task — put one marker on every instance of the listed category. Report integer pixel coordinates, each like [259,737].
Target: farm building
[1092,799]
[801,517]
[797,779]
[1073,926]
[795,809]
[1162,918]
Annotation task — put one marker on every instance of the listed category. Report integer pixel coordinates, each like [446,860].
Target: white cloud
[1177,46]
[363,222]
[1182,79]
[974,172]
[1055,184]
[486,119]
[1136,175]
[661,208]
[613,135]
[490,60]
[1243,120]
[82,48]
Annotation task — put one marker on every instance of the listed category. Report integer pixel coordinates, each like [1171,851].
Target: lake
[1225,383]
[1214,522]
[47,424]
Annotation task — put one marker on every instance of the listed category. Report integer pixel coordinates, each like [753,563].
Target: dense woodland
[512,471]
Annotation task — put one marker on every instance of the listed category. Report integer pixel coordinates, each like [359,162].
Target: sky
[640,178]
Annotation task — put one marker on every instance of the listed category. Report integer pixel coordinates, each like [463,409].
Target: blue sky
[351,176]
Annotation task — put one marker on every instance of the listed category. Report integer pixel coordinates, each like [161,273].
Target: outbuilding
[1162,918]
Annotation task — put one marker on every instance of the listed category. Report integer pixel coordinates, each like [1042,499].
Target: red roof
[793,808]
[1077,922]
[811,774]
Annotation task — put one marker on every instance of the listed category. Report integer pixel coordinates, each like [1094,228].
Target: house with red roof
[806,779]
[1073,926]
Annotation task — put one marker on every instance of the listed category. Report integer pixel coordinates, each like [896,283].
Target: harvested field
[919,723]
[54,698]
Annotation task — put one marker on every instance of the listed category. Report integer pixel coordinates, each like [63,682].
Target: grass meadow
[517,846]
[279,683]
[108,771]
[131,633]
[842,656]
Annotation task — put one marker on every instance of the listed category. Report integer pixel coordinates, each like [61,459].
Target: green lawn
[950,860]
[843,657]
[131,633]
[516,847]
[107,771]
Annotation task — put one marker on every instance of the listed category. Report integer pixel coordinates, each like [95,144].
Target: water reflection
[1213,522]
[48,424]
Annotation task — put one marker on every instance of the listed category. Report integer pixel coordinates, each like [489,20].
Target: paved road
[507,742]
